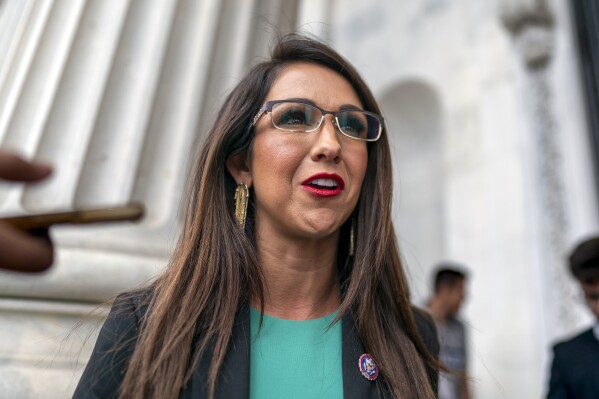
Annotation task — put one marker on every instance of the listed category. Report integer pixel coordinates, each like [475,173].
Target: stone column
[531,25]
[116,94]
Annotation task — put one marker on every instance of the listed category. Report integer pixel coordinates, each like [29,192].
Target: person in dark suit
[286,280]
[575,368]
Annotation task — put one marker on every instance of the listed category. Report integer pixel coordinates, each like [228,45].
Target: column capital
[530,22]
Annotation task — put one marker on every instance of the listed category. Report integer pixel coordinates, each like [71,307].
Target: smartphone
[128,212]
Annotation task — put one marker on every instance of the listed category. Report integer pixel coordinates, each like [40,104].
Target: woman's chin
[321,230]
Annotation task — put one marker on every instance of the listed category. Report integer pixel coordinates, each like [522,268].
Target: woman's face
[306,184]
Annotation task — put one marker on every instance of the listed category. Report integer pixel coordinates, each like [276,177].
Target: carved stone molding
[531,26]
[517,14]
[530,22]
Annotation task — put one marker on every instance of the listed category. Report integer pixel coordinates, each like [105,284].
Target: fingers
[21,251]
[15,168]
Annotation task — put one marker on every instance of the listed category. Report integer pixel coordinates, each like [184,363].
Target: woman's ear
[238,166]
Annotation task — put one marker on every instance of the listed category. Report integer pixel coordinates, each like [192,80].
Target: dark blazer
[105,370]
[575,369]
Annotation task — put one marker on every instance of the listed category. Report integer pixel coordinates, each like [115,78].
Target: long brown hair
[214,270]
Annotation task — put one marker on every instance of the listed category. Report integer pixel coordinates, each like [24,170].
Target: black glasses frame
[268,106]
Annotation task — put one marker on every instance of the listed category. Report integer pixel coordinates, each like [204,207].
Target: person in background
[20,250]
[575,368]
[444,305]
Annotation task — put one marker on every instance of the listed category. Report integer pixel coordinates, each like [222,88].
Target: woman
[286,280]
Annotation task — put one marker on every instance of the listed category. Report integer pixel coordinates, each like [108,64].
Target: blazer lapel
[355,385]
[234,379]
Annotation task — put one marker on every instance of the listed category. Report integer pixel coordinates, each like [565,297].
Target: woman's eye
[353,126]
[295,117]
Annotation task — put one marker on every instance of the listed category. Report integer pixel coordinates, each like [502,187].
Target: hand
[15,168]
[22,250]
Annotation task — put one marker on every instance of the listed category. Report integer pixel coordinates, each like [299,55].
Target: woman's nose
[327,145]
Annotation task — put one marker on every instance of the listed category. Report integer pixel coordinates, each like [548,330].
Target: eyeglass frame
[267,108]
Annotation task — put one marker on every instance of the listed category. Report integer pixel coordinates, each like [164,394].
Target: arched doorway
[412,113]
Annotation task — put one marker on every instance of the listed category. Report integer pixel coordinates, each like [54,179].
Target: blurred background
[487,105]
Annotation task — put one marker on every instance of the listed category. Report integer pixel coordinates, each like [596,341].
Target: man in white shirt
[444,305]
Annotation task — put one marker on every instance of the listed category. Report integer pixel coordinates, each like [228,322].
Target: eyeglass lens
[300,117]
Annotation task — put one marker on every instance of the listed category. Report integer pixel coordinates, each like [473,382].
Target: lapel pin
[368,367]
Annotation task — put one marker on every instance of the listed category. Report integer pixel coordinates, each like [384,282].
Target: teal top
[295,359]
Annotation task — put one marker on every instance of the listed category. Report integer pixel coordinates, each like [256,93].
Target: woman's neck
[300,277]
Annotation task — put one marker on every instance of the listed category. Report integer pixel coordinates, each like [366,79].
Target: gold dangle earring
[241,203]
[352,237]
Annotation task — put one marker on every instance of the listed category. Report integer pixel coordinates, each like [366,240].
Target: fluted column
[116,94]
[531,24]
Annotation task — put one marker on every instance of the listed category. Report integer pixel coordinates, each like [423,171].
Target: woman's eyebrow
[301,100]
[352,107]
[343,107]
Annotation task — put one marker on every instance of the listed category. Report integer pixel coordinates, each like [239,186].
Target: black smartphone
[128,212]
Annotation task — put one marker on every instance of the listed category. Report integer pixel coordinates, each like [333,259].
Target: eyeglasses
[298,116]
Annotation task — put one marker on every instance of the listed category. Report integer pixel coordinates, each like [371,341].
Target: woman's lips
[324,184]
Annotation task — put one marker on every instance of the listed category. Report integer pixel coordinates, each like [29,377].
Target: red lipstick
[324,184]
